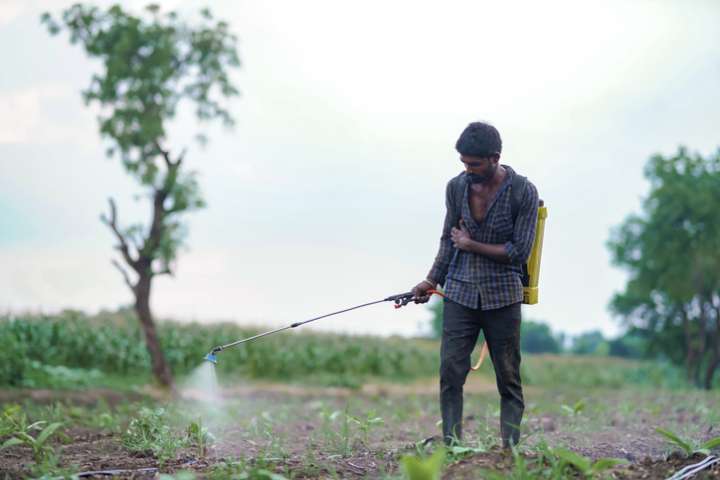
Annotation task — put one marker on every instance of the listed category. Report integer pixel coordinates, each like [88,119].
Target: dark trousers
[461,327]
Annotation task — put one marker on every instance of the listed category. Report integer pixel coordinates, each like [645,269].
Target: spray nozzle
[211,357]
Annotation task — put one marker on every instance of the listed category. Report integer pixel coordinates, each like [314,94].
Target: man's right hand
[421,291]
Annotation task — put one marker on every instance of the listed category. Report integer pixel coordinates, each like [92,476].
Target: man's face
[480,169]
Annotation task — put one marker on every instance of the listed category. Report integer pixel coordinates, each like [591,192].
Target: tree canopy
[671,252]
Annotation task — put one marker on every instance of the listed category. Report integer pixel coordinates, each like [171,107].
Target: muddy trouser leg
[502,332]
[460,332]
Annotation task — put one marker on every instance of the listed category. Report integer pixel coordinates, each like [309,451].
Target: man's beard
[477,178]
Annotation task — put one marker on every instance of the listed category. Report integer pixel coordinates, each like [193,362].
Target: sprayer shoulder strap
[519,183]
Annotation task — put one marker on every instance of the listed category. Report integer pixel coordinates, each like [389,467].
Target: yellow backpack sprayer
[531,279]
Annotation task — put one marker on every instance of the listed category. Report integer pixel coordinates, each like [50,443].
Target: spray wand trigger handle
[401,299]
[405,298]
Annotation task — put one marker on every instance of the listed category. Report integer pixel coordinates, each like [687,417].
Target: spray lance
[400,300]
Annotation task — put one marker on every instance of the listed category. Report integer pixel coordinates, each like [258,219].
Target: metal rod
[243,340]
[394,298]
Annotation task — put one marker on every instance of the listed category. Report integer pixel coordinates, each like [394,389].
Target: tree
[150,64]
[536,337]
[632,344]
[670,251]
[589,343]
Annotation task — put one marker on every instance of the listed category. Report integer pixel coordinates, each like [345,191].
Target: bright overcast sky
[330,190]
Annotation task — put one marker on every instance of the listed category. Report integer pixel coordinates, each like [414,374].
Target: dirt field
[302,432]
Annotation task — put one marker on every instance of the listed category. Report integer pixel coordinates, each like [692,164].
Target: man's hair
[479,139]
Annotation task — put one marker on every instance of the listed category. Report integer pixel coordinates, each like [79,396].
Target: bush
[12,355]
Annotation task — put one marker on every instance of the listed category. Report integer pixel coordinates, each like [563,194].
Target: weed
[12,419]
[419,468]
[553,464]
[584,465]
[199,437]
[148,432]
[41,450]
[337,430]
[574,410]
[458,452]
[366,424]
[688,446]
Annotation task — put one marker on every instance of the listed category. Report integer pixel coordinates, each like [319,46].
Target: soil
[294,441]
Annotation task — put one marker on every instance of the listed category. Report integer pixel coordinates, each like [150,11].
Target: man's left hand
[461,237]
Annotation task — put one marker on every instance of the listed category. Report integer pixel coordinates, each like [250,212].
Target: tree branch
[123,246]
[124,274]
[181,157]
[164,271]
[166,156]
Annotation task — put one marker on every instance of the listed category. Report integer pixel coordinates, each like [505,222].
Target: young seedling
[149,433]
[418,468]
[584,465]
[366,424]
[42,451]
[574,410]
[689,447]
[199,437]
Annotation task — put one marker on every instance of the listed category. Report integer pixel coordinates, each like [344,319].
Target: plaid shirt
[467,275]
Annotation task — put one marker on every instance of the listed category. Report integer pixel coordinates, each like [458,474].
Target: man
[487,236]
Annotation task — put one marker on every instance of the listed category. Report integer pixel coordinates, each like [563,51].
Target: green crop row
[73,349]
[115,345]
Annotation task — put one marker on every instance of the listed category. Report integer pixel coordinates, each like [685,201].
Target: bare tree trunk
[710,371]
[140,257]
[715,360]
[690,351]
[142,307]
[701,340]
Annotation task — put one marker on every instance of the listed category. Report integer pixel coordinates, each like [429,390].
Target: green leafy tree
[536,337]
[629,345]
[150,63]
[589,343]
[670,251]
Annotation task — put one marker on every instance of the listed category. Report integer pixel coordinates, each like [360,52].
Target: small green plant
[458,452]
[41,450]
[545,464]
[148,432]
[575,409]
[366,424]
[338,437]
[586,466]
[553,464]
[12,419]
[199,437]
[689,447]
[419,468]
